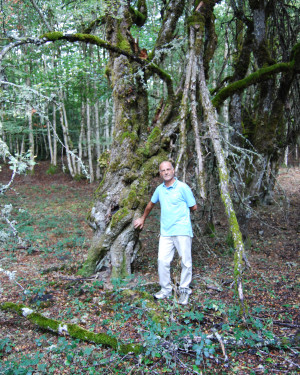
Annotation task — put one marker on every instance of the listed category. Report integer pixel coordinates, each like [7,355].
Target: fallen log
[186,344]
[72,330]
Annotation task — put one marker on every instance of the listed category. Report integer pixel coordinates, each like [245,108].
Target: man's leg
[165,256]
[183,245]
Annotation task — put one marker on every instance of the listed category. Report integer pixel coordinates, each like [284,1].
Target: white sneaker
[162,295]
[184,297]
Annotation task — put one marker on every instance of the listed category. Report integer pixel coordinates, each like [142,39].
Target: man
[176,202]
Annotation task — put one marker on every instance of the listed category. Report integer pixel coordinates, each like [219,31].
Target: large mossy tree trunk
[137,150]
[140,144]
[120,194]
[260,121]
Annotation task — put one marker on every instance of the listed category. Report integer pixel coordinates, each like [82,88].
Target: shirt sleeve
[188,196]
[155,196]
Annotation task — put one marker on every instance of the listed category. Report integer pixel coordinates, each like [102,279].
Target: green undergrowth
[172,338]
[165,335]
[53,224]
[183,336]
[169,337]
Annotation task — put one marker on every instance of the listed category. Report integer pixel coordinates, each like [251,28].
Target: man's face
[166,171]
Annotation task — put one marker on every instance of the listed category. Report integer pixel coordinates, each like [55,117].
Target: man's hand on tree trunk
[139,223]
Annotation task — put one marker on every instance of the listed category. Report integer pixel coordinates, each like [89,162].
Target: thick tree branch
[91,39]
[166,34]
[260,75]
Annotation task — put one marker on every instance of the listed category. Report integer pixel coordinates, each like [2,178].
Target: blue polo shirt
[175,201]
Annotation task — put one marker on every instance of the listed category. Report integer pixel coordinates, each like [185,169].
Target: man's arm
[193,208]
[139,223]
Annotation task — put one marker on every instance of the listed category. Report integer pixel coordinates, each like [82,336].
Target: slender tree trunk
[67,141]
[22,145]
[89,141]
[54,135]
[81,137]
[30,136]
[11,144]
[50,141]
[37,144]
[46,144]
[17,146]
[66,124]
[211,119]
[29,111]
[286,156]
[97,140]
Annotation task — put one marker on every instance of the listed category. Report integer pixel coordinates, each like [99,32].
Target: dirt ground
[47,267]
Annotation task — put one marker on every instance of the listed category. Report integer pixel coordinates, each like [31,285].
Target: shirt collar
[173,185]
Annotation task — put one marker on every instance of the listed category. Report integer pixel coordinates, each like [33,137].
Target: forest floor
[51,212]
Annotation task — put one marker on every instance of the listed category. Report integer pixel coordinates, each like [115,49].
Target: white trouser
[167,245]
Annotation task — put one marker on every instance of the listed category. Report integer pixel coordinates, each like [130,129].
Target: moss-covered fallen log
[72,330]
[181,344]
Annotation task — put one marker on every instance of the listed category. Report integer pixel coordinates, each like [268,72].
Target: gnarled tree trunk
[134,158]
[261,122]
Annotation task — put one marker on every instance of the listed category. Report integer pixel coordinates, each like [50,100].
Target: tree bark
[97,138]
[54,136]
[81,139]
[135,154]
[89,141]
[210,116]
[50,141]
[30,136]
[259,129]
[67,141]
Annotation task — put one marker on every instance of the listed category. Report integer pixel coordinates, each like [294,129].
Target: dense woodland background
[94,95]
[57,96]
